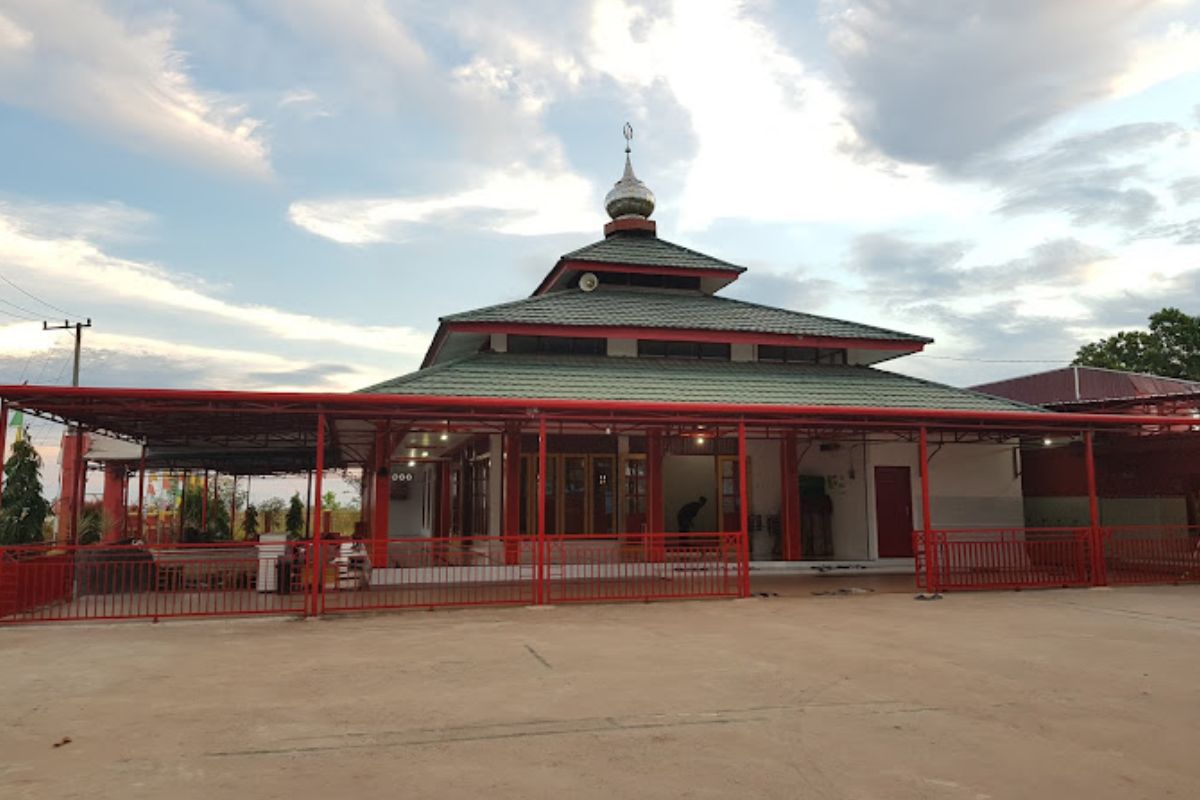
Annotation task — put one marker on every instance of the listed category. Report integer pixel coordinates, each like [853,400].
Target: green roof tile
[609,307]
[650,251]
[508,375]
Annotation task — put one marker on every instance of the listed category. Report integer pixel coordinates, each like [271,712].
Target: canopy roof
[257,432]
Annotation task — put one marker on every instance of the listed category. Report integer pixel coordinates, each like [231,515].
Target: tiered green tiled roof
[648,251]
[643,309]
[602,378]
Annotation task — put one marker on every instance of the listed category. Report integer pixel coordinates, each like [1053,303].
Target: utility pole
[66,326]
[73,430]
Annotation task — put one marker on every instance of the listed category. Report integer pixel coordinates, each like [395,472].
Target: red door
[893,511]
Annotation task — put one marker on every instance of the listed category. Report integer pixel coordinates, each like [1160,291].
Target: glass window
[655,348]
[558,345]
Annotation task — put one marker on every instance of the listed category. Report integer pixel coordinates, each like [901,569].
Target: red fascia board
[27,396]
[435,345]
[685,335]
[642,269]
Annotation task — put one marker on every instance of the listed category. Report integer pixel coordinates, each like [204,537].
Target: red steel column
[1095,538]
[141,529]
[111,502]
[511,527]
[655,544]
[318,566]
[931,576]
[789,506]
[540,560]
[3,441]
[381,495]
[743,514]
[80,478]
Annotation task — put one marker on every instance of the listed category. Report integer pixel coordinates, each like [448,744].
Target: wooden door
[894,511]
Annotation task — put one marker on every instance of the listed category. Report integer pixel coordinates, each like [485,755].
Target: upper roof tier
[613,313]
[608,308]
[641,251]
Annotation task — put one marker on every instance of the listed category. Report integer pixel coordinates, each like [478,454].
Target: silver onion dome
[629,197]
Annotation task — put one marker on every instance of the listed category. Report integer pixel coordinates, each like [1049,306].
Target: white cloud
[89,271]
[12,35]
[518,201]
[774,140]
[86,66]
[1160,58]
[96,222]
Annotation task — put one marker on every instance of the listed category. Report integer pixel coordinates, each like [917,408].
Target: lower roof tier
[507,375]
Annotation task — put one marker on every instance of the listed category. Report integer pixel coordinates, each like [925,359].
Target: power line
[34,297]
[17,316]
[33,314]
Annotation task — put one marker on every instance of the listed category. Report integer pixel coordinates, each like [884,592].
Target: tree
[295,517]
[22,507]
[1170,348]
[250,521]
[329,502]
[216,516]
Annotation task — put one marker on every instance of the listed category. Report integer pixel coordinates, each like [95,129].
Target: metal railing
[1151,553]
[1004,558]
[158,581]
[125,581]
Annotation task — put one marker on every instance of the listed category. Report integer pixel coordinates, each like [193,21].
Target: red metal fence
[1030,558]
[1151,553]
[156,581]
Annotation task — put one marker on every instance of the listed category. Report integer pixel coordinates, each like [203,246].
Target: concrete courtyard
[1056,694]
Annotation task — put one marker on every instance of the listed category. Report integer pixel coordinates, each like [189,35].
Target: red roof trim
[684,335]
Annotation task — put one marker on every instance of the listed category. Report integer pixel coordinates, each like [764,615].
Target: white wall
[742,352]
[970,485]
[625,348]
[845,482]
[404,516]
[1073,511]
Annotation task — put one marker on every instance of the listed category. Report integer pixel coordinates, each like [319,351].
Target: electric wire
[34,297]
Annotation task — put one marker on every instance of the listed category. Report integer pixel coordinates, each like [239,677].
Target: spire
[629,198]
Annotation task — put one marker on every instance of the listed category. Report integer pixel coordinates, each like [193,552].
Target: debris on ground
[63,741]
[845,590]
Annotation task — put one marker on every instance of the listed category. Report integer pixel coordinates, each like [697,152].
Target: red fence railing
[1004,558]
[104,582]
[1151,553]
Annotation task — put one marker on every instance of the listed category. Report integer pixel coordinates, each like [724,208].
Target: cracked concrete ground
[1057,694]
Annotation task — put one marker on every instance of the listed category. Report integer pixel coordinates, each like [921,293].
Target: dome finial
[629,197]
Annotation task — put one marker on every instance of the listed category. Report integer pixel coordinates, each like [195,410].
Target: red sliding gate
[103,582]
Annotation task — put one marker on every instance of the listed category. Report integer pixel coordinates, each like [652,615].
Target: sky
[287,194]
